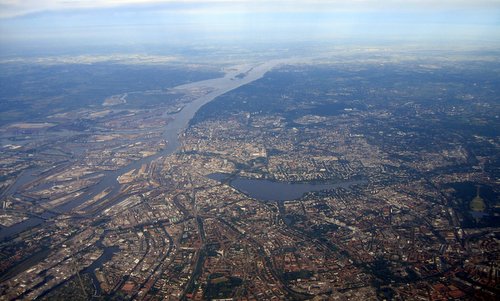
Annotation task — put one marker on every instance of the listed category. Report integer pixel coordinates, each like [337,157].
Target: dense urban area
[361,177]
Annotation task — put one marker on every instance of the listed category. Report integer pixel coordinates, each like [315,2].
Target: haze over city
[93,24]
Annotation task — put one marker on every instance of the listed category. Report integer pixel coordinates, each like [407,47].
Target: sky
[35,24]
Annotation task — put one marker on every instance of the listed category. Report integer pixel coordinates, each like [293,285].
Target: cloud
[14,8]
[35,24]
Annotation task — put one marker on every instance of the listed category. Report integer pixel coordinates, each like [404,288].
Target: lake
[269,190]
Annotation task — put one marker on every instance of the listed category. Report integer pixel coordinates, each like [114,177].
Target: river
[235,77]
